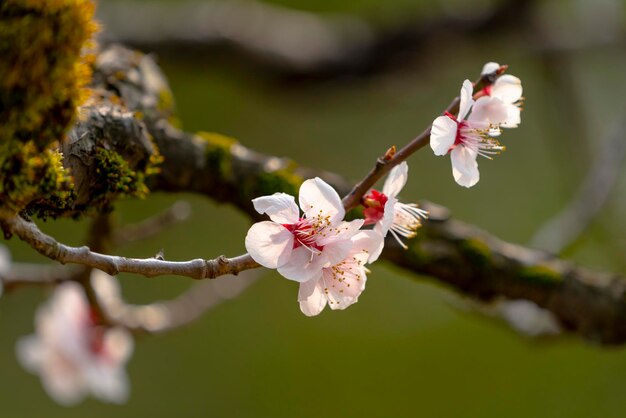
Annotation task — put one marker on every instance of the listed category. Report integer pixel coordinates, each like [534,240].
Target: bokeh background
[408,348]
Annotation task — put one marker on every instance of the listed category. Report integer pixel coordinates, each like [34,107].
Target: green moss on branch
[477,251]
[218,153]
[540,274]
[44,68]
[46,64]
[115,178]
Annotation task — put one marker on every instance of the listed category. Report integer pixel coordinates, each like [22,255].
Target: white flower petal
[119,345]
[343,286]
[341,232]
[377,251]
[367,246]
[489,68]
[491,110]
[280,207]
[30,353]
[108,289]
[318,198]
[336,251]
[109,384]
[396,179]
[311,297]
[304,264]
[388,216]
[5,260]
[269,244]
[466,101]
[464,166]
[514,116]
[443,135]
[62,380]
[507,88]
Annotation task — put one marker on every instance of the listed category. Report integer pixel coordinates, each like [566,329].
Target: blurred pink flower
[72,353]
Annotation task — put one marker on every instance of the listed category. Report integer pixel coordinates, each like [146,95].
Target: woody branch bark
[462,256]
[149,267]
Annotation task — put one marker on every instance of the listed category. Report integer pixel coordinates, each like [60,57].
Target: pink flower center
[486,91]
[95,335]
[307,232]
[469,136]
[374,203]
[459,139]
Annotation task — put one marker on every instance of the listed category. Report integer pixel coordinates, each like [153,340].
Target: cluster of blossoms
[75,354]
[481,116]
[319,249]
[72,353]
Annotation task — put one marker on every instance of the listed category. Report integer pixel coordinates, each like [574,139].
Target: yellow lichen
[46,48]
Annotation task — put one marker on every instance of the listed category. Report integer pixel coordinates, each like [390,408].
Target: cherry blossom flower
[341,284]
[500,102]
[73,354]
[387,214]
[300,246]
[464,138]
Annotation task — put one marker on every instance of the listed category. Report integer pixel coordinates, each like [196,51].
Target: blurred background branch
[295,42]
[565,228]
[164,316]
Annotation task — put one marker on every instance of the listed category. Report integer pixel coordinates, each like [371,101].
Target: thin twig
[151,267]
[199,268]
[164,316]
[384,165]
[99,240]
[39,275]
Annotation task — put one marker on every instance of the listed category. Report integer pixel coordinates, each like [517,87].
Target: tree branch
[464,257]
[196,269]
[164,316]
[293,42]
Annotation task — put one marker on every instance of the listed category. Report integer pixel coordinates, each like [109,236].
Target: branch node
[390,153]
[208,271]
[115,268]
[381,161]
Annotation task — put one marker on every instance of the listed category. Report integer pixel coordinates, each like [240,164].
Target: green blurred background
[405,349]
